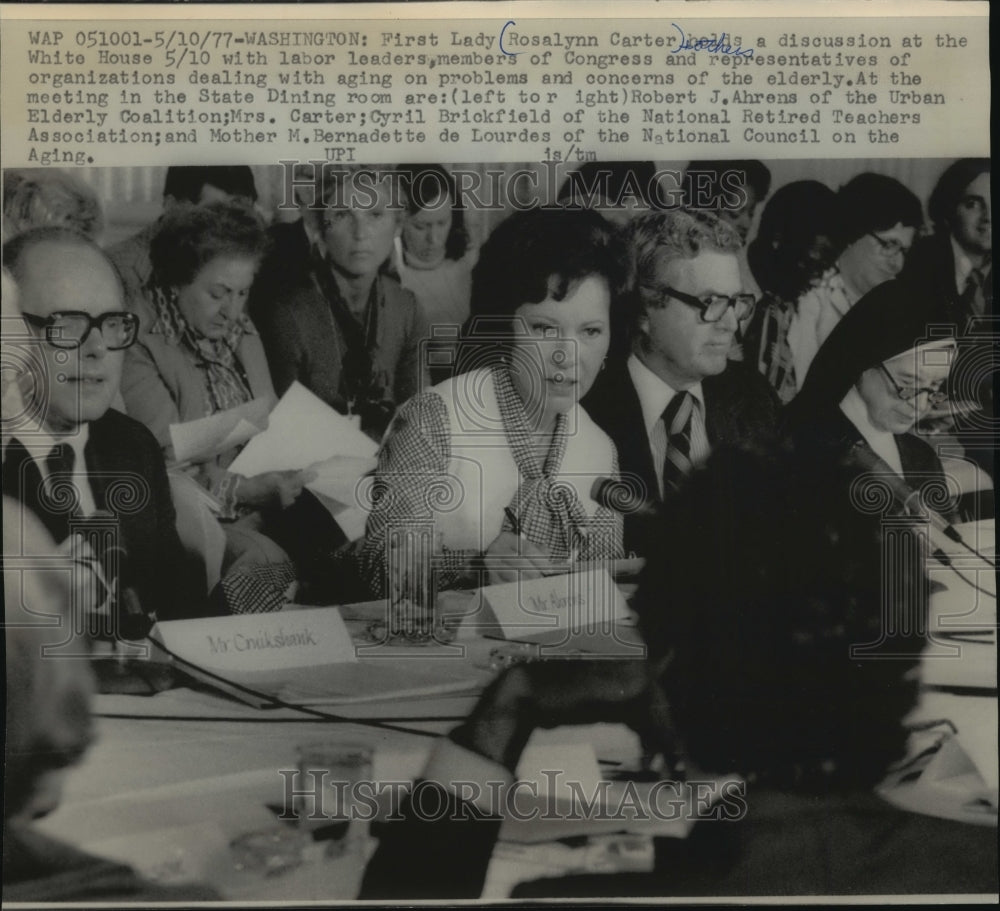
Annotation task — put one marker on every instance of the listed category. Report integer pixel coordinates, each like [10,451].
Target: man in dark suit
[88,471]
[670,396]
[956,263]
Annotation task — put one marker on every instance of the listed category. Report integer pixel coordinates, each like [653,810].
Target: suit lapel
[22,481]
[614,406]
[97,470]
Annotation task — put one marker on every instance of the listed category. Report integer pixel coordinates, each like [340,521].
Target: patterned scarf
[226,383]
[548,509]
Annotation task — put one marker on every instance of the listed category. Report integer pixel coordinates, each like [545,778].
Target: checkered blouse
[417,452]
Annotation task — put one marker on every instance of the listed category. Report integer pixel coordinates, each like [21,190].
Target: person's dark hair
[756,175]
[874,202]
[185,182]
[530,256]
[189,237]
[610,183]
[789,250]
[423,185]
[766,581]
[14,250]
[947,192]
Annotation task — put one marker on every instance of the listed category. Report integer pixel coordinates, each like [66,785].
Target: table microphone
[113,561]
[905,496]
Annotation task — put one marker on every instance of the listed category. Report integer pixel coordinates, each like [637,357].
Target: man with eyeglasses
[669,394]
[94,477]
[879,219]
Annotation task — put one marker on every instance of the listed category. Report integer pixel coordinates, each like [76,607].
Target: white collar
[38,440]
[654,393]
[882,442]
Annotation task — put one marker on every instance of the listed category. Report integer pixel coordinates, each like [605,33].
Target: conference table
[175,777]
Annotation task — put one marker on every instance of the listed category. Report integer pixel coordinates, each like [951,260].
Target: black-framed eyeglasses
[908,393]
[712,307]
[889,248]
[69,329]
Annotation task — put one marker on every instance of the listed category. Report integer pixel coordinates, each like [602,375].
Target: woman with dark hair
[793,249]
[433,257]
[500,458]
[882,368]
[198,354]
[879,219]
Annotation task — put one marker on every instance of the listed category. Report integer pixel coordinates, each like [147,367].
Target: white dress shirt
[882,442]
[654,396]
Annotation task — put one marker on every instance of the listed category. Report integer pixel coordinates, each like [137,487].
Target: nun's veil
[889,320]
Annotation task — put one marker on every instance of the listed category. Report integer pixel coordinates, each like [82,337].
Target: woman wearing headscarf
[197,355]
[881,369]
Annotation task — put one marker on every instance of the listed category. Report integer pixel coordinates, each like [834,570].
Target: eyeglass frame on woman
[934,396]
[890,248]
[703,305]
[48,324]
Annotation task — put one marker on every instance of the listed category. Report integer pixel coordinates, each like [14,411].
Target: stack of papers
[304,433]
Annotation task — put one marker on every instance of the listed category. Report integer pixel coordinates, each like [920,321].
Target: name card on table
[259,642]
[585,603]
[552,766]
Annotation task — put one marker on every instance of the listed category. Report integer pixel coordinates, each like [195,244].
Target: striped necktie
[677,421]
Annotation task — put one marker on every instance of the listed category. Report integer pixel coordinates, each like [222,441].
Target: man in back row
[671,396]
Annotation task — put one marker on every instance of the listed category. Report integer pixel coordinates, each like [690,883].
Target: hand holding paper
[204,439]
[339,478]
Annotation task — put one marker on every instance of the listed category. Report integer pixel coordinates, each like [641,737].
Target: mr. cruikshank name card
[260,642]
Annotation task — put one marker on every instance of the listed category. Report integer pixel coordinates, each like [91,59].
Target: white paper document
[303,430]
